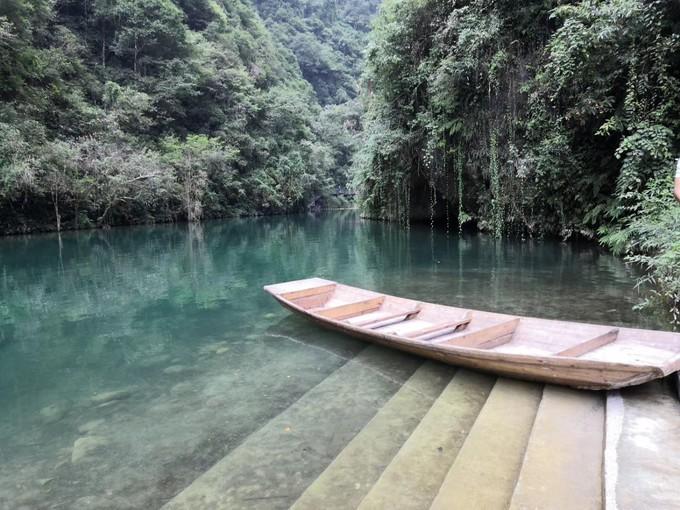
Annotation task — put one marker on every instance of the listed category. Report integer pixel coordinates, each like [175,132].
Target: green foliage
[122,111]
[18,163]
[143,32]
[193,162]
[554,118]
[651,239]
[463,217]
[327,37]
[496,192]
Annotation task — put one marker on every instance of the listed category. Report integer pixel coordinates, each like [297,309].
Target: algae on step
[412,479]
[354,471]
[273,466]
[486,468]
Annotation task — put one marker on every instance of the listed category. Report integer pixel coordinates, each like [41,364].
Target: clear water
[173,320]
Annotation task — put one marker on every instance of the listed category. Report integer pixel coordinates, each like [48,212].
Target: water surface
[133,359]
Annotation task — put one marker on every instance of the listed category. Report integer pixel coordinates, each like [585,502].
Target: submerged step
[412,479]
[486,468]
[273,466]
[562,468]
[354,471]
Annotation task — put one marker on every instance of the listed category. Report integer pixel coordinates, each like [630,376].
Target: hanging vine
[496,200]
[463,217]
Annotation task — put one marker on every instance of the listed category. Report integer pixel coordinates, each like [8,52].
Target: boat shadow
[299,330]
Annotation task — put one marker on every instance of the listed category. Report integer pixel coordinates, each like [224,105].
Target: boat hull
[532,368]
[579,355]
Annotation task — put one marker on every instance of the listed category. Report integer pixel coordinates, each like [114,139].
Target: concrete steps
[646,460]
[388,431]
[486,468]
[350,476]
[562,468]
[274,465]
[414,476]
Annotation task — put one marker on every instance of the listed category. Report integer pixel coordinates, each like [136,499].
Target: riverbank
[334,204]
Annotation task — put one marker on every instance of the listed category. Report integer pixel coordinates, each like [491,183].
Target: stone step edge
[435,375]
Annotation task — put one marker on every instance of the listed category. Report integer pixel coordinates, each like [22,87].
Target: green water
[174,319]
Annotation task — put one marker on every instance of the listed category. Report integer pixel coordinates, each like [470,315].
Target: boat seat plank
[318,301]
[377,322]
[308,292]
[351,309]
[590,344]
[485,338]
[439,329]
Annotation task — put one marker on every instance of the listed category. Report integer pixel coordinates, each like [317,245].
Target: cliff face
[539,117]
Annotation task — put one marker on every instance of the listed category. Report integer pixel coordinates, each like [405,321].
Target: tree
[144,32]
[17,163]
[57,176]
[122,111]
[191,162]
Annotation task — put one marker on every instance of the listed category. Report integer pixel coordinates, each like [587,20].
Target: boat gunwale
[267,289]
[563,361]
[640,372]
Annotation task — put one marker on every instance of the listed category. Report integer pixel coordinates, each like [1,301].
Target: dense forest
[549,117]
[128,111]
[328,38]
[543,117]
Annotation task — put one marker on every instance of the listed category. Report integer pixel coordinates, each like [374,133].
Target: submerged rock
[176,369]
[93,502]
[214,348]
[216,402]
[155,360]
[60,464]
[109,396]
[83,447]
[182,388]
[108,404]
[87,428]
[53,412]
[28,497]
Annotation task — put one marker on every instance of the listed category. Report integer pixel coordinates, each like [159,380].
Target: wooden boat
[568,353]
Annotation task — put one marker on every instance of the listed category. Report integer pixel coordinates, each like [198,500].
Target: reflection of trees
[132,293]
[149,286]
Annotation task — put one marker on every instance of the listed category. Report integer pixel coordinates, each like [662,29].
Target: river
[133,359]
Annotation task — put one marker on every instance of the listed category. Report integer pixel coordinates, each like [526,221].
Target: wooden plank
[318,301]
[311,291]
[439,329]
[590,345]
[277,289]
[485,338]
[351,309]
[377,322]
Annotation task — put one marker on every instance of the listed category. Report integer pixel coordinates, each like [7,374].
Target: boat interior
[452,327]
